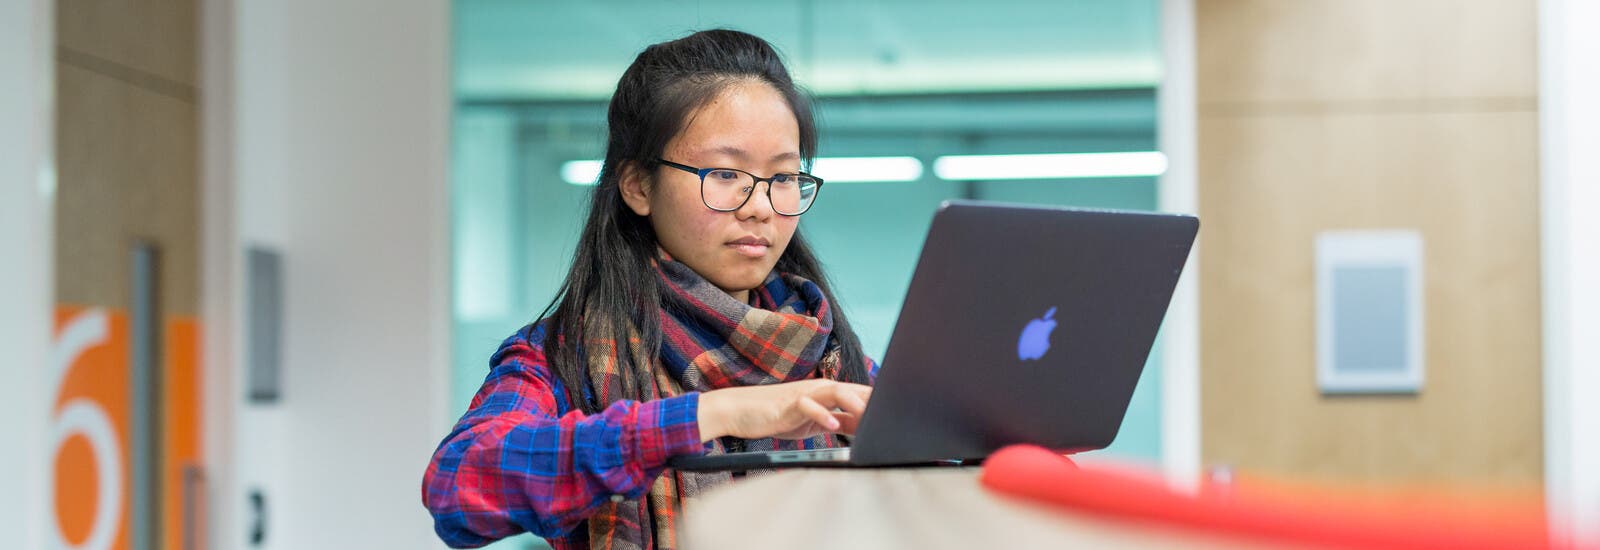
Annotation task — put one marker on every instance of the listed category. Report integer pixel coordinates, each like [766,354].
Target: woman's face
[749,127]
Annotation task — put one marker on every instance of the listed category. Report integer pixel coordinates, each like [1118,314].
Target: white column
[1569,135]
[1179,192]
[219,283]
[27,187]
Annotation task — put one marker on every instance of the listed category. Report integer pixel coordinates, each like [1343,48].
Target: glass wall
[1057,79]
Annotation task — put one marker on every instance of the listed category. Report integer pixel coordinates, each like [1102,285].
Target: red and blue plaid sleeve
[514,463]
[872,370]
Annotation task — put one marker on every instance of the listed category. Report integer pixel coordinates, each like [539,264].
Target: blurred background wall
[892,79]
[127,255]
[917,80]
[1322,115]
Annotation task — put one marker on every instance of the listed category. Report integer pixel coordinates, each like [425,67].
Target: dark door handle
[258,510]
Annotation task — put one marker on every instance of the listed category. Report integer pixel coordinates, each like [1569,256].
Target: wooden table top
[921,508]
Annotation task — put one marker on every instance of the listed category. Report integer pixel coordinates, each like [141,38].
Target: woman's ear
[635,188]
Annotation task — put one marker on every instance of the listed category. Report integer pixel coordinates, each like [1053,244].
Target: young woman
[694,319]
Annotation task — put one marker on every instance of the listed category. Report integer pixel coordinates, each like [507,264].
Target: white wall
[334,152]
[1569,133]
[27,47]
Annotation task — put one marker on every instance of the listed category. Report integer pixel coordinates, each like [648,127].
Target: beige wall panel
[1469,183]
[1365,50]
[157,37]
[127,170]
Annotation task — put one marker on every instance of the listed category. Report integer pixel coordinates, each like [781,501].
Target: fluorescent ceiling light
[581,172]
[830,169]
[1050,166]
[861,169]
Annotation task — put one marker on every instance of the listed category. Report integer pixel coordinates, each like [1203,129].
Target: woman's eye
[725,175]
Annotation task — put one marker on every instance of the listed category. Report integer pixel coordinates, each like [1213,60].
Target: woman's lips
[751,247]
[750,250]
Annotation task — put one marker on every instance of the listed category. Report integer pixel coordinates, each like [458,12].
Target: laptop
[1022,324]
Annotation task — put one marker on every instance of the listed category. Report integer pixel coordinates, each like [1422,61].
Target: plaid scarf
[709,340]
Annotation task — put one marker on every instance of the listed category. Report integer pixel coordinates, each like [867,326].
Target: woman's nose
[760,203]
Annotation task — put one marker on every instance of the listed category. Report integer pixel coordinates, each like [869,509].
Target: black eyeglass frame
[702,172]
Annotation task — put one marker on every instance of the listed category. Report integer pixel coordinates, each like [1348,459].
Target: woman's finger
[839,396]
[849,399]
[816,413]
[847,422]
[861,391]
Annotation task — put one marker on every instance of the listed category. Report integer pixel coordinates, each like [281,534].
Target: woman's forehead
[738,152]
[747,122]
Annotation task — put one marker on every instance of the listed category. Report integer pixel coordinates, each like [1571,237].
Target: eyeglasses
[727,189]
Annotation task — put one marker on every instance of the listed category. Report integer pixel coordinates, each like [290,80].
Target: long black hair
[611,286]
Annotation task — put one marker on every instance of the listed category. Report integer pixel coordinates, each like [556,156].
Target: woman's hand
[792,410]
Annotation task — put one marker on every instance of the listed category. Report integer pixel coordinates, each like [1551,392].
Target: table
[921,508]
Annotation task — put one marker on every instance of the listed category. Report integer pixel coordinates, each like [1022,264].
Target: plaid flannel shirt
[523,459]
